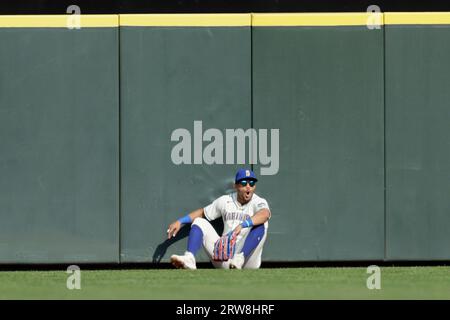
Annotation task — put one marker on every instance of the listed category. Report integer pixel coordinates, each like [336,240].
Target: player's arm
[258,218]
[261,217]
[174,227]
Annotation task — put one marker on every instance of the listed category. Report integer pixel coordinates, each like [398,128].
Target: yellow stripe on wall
[316,19]
[58,21]
[231,20]
[186,20]
[417,17]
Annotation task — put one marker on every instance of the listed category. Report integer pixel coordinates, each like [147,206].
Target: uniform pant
[210,237]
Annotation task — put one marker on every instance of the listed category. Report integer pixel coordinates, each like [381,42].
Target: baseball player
[245,216]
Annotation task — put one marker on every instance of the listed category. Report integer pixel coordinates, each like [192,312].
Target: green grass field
[270,284]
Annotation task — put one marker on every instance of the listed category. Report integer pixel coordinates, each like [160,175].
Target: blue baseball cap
[245,174]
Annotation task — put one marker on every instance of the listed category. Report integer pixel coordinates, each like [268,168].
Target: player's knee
[200,222]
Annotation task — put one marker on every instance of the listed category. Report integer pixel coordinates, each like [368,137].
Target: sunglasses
[245,182]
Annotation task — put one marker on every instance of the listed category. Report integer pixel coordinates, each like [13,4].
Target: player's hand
[173,229]
[237,230]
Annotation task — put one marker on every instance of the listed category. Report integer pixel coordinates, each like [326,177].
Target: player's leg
[253,257]
[202,233]
[210,237]
[250,255]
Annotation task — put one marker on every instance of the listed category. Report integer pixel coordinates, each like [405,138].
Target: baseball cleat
[186,261]
[237,261]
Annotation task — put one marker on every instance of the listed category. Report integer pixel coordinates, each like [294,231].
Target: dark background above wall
[210,6]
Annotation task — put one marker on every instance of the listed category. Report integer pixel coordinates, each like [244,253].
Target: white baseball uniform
[233,214]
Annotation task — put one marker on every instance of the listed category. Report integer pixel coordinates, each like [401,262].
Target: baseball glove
[224,247]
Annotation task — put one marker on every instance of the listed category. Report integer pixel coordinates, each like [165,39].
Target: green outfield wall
[322,86]
[417,139]
[110,132]
[59,107]
[172,76]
